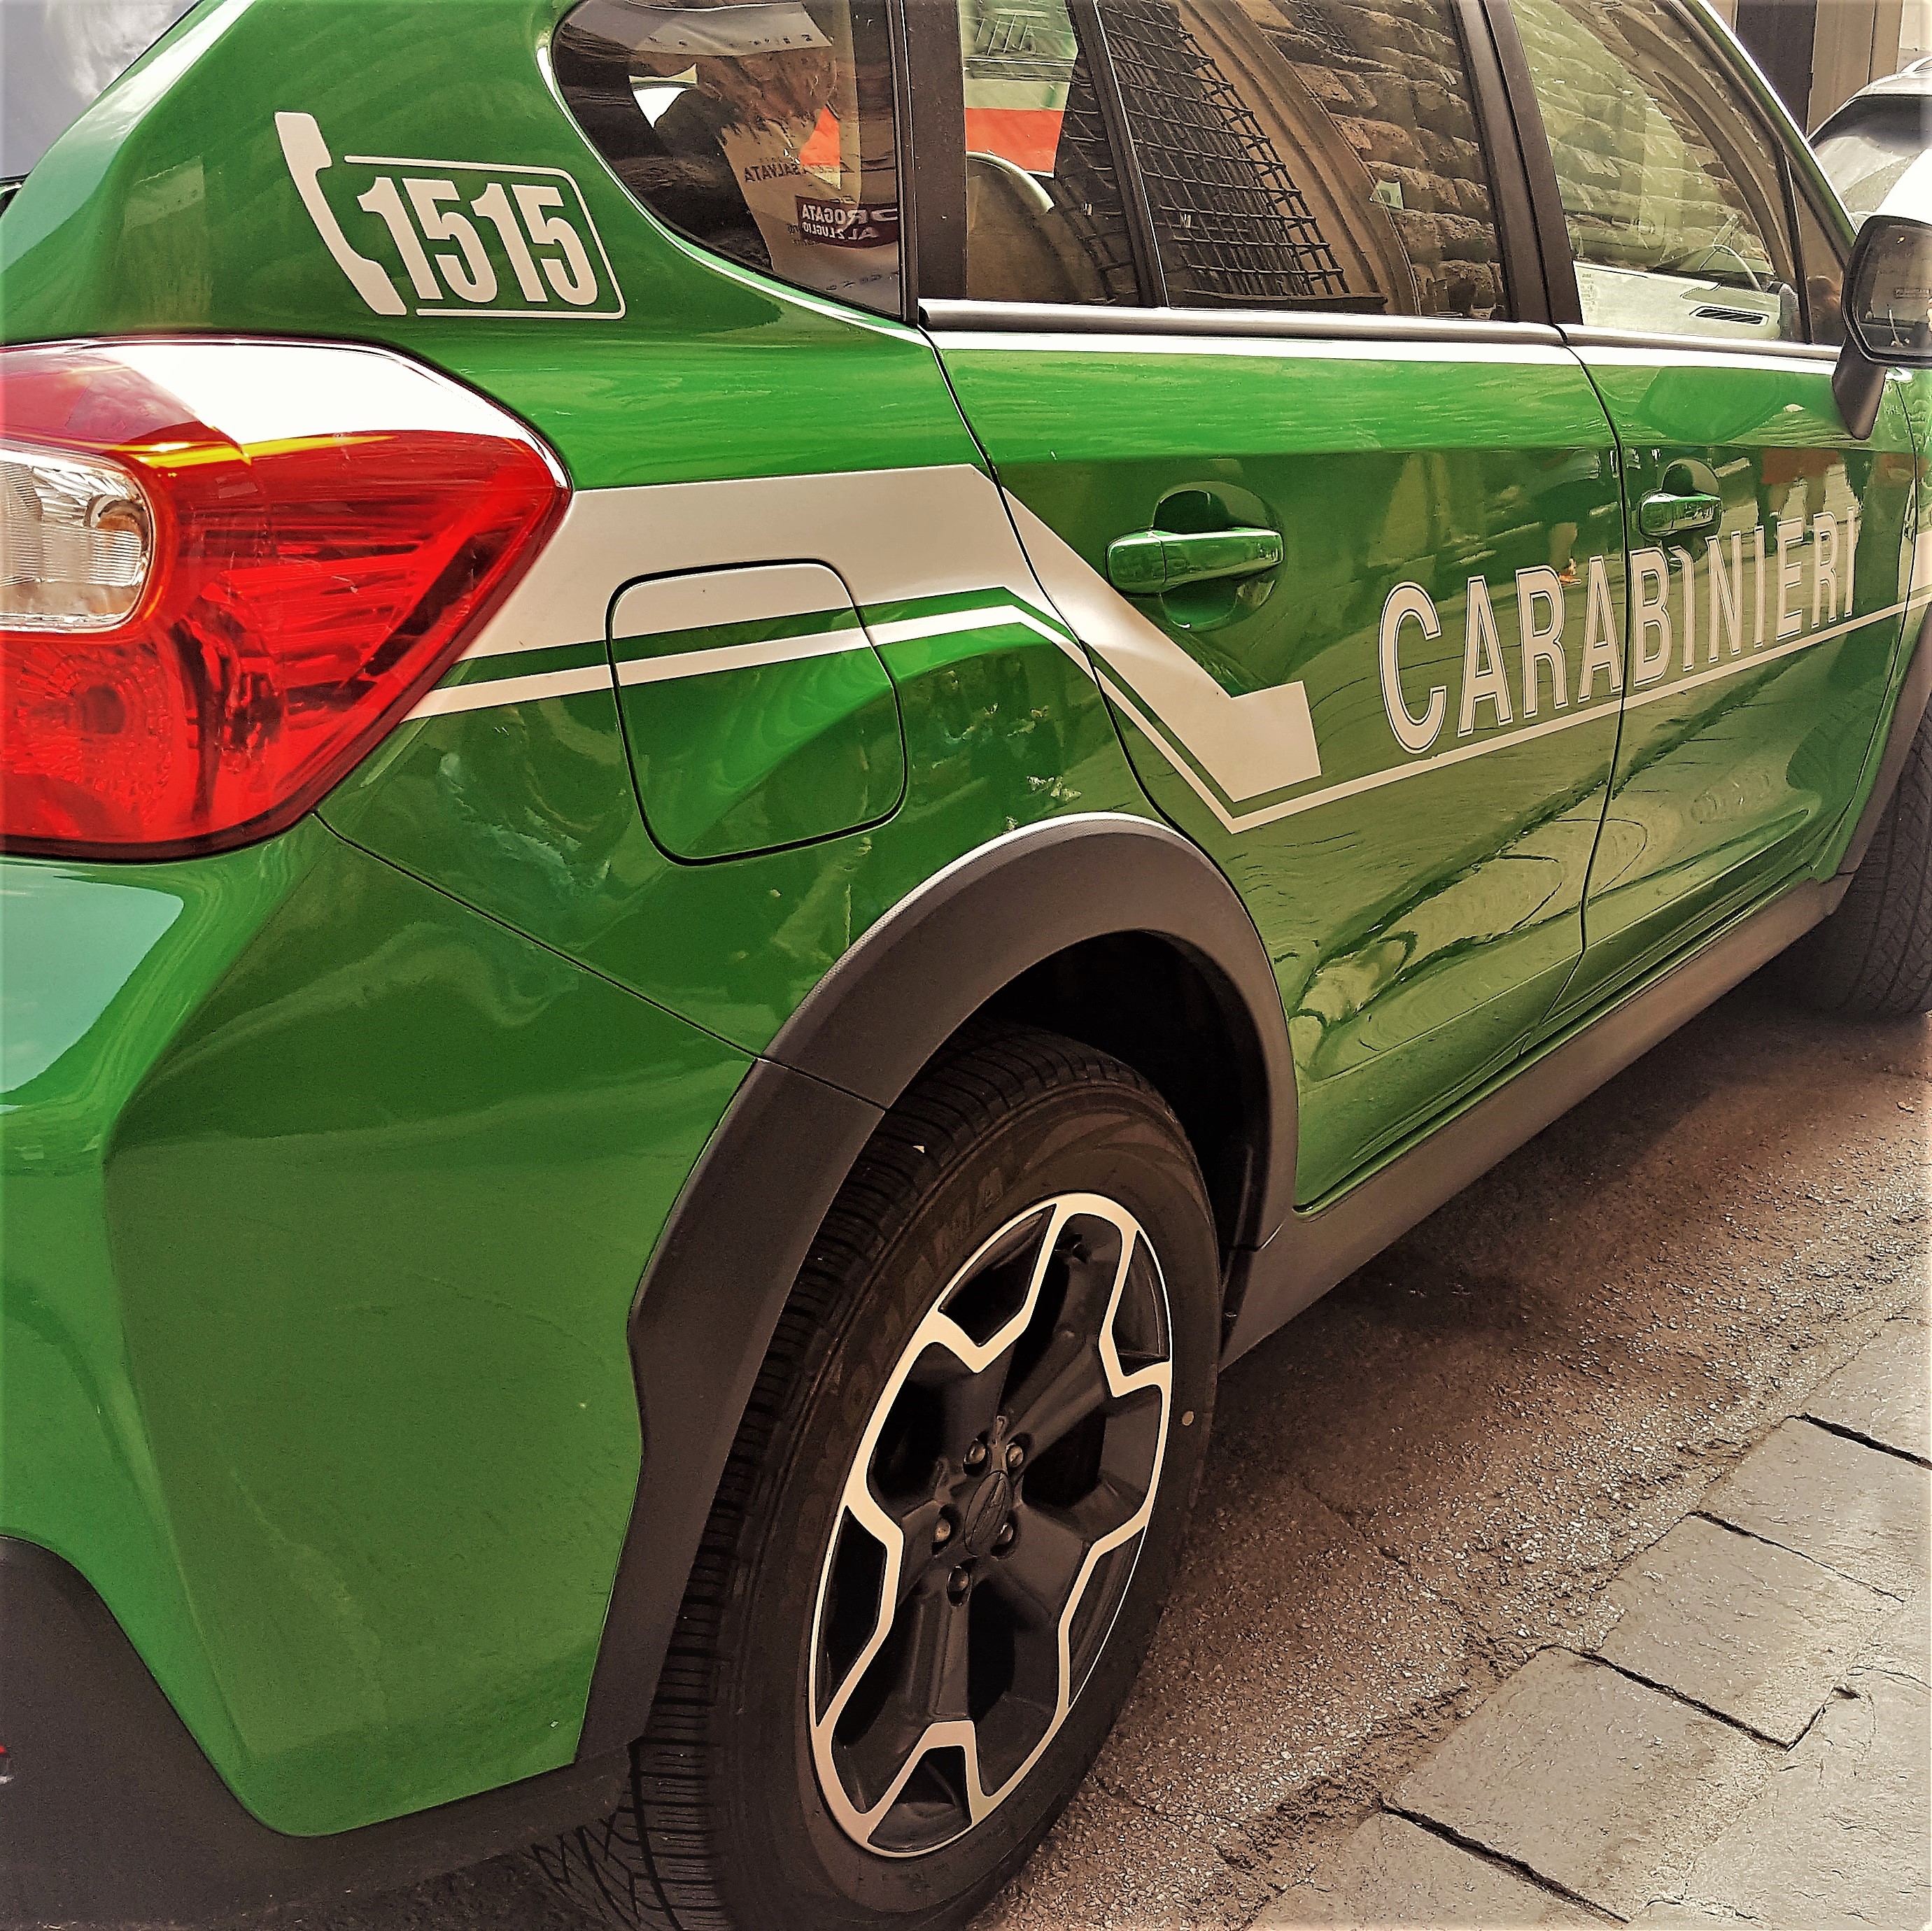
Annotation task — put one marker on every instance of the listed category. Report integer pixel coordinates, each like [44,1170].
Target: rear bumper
[110,1814]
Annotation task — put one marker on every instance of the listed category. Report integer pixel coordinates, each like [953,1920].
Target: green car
[673,982]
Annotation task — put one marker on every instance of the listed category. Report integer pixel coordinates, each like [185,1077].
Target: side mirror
[1888,314]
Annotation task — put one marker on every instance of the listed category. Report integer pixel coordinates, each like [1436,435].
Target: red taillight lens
[227,568]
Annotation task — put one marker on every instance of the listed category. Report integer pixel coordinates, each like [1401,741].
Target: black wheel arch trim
[712,1295]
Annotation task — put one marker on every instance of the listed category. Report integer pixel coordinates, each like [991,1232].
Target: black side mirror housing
[1887,312]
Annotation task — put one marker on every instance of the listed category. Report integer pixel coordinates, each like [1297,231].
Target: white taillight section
[76,540]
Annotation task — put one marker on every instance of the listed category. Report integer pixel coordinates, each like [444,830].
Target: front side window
[1672,192]
[1309,154]
[764,130]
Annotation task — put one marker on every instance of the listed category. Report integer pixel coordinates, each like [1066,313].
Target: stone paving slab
[1392,1873]
[1842,1834]
[1754,1632]
[1885,1393]
[1175,1882]
[1854,1509]
[1611,1790]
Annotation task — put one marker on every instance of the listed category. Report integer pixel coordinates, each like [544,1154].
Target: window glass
[1043,213]
[1672,191]
[1309,154]
[1824,277]
[762,129]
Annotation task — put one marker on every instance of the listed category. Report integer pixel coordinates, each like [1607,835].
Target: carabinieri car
[764,760]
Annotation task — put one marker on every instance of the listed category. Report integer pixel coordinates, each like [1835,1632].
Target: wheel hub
[989,1525]
[985,1516]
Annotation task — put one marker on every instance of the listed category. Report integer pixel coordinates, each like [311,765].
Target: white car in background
[1874,148]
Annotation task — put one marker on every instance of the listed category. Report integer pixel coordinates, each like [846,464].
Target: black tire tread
[653,1865]
[1873,957]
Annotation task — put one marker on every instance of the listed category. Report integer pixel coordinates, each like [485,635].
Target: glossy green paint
[100,969]
[326,1200]
[1423,925]
[330,1170]
[1742,748]
[528,811]
[733,761]
[169,205]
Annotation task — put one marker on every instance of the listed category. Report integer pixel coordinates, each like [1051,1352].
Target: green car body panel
[1423,916]
[337,1426]
[331,1164]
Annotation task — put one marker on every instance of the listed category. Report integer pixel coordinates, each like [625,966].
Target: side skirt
[1312,1251]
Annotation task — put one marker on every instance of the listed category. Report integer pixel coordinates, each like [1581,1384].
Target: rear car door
[1770,550]
[1335,513]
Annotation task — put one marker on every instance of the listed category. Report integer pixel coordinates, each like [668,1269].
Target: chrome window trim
[1047,318]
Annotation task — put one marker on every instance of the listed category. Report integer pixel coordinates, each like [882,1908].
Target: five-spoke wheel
[952,1511]
[989,1524]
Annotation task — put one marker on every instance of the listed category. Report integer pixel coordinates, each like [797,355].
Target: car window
[1672,191]
[1044,221]
[1824,277]
[1309,154]
[764,130]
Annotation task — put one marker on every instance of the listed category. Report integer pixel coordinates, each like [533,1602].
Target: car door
[1337,517]
[1769,549]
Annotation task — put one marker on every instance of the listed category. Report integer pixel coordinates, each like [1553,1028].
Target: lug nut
[942,1532]
[958,1584]
[976,1455]
[1015,1456]
[1003,1540]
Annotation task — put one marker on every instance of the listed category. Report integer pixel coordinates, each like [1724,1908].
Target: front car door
[1770,550]
[1341,532]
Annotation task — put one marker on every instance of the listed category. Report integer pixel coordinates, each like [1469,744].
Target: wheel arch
[1114,929]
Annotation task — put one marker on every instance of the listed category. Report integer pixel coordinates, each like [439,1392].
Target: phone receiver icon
[307,153]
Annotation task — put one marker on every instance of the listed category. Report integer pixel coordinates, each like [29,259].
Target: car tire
[1873,957]
[1000,1354]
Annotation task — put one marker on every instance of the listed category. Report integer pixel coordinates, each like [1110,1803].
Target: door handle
[1666,513]
[1150,561]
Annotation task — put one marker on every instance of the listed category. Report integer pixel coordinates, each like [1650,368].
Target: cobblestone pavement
[1565,1565]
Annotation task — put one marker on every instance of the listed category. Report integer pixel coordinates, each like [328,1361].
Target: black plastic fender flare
[712,1295]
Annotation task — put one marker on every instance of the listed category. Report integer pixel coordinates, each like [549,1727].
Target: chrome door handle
[1150,561]
[1665,512]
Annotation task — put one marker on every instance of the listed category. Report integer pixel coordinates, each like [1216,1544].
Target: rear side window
[1295,154]
[763,131]
[1044,220]
[1309,154]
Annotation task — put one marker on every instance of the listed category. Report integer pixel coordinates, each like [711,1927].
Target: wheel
[948,1521]
[1873,955]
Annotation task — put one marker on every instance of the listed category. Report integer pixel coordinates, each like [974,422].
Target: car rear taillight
[226,569]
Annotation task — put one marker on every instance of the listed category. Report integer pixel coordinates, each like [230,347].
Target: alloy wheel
[987,1529]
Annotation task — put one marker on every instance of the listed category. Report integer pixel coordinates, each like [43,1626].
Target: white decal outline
[306,153]
[308,157]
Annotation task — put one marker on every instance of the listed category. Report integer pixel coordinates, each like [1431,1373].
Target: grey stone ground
[1565,1565]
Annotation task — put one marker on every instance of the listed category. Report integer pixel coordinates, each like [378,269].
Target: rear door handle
[1666,513]
[1150,561]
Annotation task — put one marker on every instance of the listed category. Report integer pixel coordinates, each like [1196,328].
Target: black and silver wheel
[949,1518]
[1873,957]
